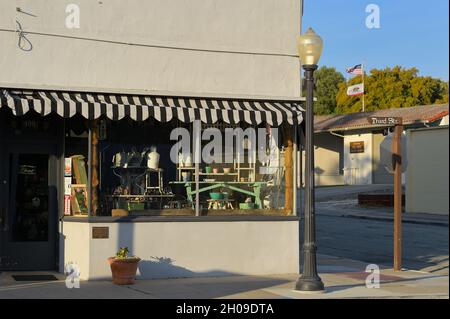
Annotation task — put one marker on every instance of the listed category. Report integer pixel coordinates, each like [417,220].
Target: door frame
[4,193]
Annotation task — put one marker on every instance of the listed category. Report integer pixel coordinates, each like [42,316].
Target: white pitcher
[180,160]
[188,161]
[153,158]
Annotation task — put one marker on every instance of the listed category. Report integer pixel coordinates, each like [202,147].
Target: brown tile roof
[352,121]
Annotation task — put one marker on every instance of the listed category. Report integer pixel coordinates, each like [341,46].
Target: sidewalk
[343,278]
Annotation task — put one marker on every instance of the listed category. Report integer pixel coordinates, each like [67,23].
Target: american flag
[356,70]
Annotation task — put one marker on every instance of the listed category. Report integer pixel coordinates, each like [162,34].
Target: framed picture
[357,147]
[79,199]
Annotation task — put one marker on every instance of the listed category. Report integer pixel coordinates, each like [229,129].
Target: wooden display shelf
[219,174]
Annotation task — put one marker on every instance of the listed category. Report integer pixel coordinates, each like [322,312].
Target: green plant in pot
[208,170]
[123,267]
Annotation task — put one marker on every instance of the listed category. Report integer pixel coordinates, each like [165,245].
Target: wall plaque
[357,147]
[100,232]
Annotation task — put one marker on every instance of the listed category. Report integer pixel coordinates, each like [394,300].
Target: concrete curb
[409,221]
[388,219]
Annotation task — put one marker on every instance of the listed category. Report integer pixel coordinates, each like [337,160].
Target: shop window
[76,166]
[134,171]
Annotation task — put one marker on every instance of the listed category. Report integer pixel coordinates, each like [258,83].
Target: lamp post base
[309,284]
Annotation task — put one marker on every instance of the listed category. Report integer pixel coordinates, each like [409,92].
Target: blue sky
[412,33]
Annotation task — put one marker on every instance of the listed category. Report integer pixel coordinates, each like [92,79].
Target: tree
[392,88]
[327,87]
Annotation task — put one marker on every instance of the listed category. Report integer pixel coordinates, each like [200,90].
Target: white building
[348,146]
[90,64]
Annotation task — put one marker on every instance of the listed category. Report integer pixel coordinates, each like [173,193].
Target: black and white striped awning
[141,107]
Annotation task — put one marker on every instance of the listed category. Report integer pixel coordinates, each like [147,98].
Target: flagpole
[364,88]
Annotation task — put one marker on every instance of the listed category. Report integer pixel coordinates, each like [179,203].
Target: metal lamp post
[309,48]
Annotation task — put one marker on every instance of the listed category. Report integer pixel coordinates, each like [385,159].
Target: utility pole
[397,165]
[396,151]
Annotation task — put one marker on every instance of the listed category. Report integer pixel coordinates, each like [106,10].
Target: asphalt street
[425,247]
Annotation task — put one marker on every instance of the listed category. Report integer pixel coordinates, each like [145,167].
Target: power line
[149,45]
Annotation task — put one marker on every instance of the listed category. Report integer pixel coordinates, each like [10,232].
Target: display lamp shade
[310,47]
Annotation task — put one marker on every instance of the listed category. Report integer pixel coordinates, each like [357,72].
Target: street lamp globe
[310,47]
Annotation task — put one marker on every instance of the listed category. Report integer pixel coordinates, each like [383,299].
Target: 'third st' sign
[384,120]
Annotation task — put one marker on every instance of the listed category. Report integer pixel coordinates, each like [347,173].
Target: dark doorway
[28,206]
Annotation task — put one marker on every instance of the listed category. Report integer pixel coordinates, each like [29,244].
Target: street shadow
[178,280]
[164,267]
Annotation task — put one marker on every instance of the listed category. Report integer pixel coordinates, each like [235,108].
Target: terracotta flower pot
[123,270]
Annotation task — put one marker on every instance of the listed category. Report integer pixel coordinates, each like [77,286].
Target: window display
[133,172]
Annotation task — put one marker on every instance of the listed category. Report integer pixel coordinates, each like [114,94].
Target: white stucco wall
[76,247]
[179,47]
[328,151]
[328,159]
[379,173]
[427,175]
[358,166]
[188,249]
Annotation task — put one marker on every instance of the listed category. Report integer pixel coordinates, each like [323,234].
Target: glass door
[28,205]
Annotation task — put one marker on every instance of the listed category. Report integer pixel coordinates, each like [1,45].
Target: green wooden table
[235,186]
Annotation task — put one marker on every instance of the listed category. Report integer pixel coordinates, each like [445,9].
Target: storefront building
[173,139]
